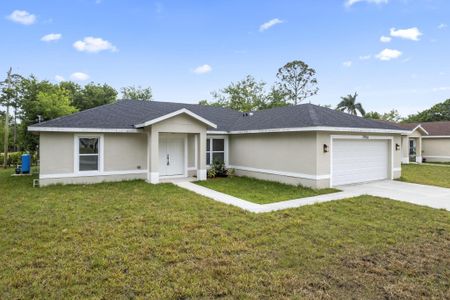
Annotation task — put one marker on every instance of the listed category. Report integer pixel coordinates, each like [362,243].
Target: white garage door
[359,161]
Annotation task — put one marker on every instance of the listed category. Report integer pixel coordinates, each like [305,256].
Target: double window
[89,154]
[215,150]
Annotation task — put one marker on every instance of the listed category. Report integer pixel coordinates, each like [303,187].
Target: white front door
[359,160]
[171,155]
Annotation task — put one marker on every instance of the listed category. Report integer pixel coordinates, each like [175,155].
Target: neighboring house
[305,144]
[427,141]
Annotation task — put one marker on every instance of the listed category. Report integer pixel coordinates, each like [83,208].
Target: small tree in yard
[297,81]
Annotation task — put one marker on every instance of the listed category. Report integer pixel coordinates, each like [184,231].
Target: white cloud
[22,17]
[388,54]
[59,78]
[385,39]
[349,3]
[79,76]
[203,69]
[270,24]
[365,57]
[94,45]
[442,89]
[412,34]
[347,64]
[442,26]
[51,37]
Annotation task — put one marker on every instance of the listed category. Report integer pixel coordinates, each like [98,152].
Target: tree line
[26,100]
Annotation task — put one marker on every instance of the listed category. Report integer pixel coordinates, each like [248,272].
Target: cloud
[385,39]
[270,24]
[94,45]
[412,34]
[203,69]
[349,3]
[442,26]
[347,64]
[388,54]
[442,89]
[365,57]
[79,76]
[59,78]
[51,37]
[22,17]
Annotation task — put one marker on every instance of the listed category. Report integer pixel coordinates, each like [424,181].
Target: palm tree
[349,105]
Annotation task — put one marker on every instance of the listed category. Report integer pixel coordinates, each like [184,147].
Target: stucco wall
[436,149]
[285,152]
[125,151]
[191,150]
[56,153]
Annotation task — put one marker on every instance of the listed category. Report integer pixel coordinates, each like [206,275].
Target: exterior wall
[436,149]
[191,151]
[56,153]
[125,151]
[91,179]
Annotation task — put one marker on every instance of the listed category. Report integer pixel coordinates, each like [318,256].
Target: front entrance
[412,150]
[171,155]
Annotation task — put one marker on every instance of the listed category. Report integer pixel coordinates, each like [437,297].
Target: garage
[359,160]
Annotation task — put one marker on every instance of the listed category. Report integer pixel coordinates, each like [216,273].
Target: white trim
[347,137]
[281,173]
[176,113]
[216,132]
[154,177]
[419,127]
[76,159]
[419,159]
[90,174]
[436,137]
[92,130]
[225,147]
[434,156]
[201,174]
[185,155]
[405,160]
[322,128]
[196,151]
[192,168]
[148,154]
[396,169]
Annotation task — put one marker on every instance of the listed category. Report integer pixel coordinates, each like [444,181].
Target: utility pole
[6,133]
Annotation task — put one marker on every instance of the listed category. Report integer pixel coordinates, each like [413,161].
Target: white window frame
[76,160]
[211,149]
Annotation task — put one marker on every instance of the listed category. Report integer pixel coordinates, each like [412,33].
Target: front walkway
[431,196]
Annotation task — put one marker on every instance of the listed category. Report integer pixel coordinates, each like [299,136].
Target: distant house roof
[439,128]
[128,114]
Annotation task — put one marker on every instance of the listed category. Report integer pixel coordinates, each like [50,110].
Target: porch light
[397,147]
[325,148]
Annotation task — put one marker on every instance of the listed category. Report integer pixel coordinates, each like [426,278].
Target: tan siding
[191,150]
[438,147]
[125,151]
[56,153]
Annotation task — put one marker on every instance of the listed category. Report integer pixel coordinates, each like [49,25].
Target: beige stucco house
[306,144]
[426,142]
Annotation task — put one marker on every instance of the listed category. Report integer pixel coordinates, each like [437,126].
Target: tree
[276,98]
[350,105]
[245,95]
[54,103]
[438,112]
[93,95]
[297,81]
[372,115]
[137,93]
[392,116]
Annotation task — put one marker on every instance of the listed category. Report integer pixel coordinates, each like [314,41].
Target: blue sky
[186,49]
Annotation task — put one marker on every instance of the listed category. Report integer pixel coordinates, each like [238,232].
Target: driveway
[435,197]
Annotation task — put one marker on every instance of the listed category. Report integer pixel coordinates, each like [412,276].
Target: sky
[394,53]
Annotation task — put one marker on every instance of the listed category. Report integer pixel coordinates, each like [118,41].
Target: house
[427,141]
[306,144]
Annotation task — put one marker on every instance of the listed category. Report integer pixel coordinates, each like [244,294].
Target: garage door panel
[359,161]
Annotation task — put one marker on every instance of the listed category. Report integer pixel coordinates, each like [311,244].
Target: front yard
[133,239]
[426,174]
[260,191]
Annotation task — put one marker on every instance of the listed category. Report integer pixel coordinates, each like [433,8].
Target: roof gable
[176,113]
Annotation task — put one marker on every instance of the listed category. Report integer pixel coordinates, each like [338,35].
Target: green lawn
[136,240]
[260,191]
[426,174]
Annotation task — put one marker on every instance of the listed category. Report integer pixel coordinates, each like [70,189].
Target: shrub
[15,158]
[218,169]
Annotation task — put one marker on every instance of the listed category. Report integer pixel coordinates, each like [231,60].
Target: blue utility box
[26,163]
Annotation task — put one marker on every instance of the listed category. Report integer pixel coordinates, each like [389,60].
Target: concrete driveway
[435,197]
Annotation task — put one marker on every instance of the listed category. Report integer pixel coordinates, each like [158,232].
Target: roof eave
[176,113]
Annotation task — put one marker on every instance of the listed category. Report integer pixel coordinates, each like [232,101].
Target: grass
[426,174]
[260,191]
[136,240]
[438,163]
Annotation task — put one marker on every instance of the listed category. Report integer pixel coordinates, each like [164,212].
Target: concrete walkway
[434,197]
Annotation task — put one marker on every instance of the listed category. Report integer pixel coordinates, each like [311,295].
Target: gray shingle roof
[125,114]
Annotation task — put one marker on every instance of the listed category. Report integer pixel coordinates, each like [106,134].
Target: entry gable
[176,113]
[420,129]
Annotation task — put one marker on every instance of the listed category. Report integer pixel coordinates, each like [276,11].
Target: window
[88,154]
[215,150]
